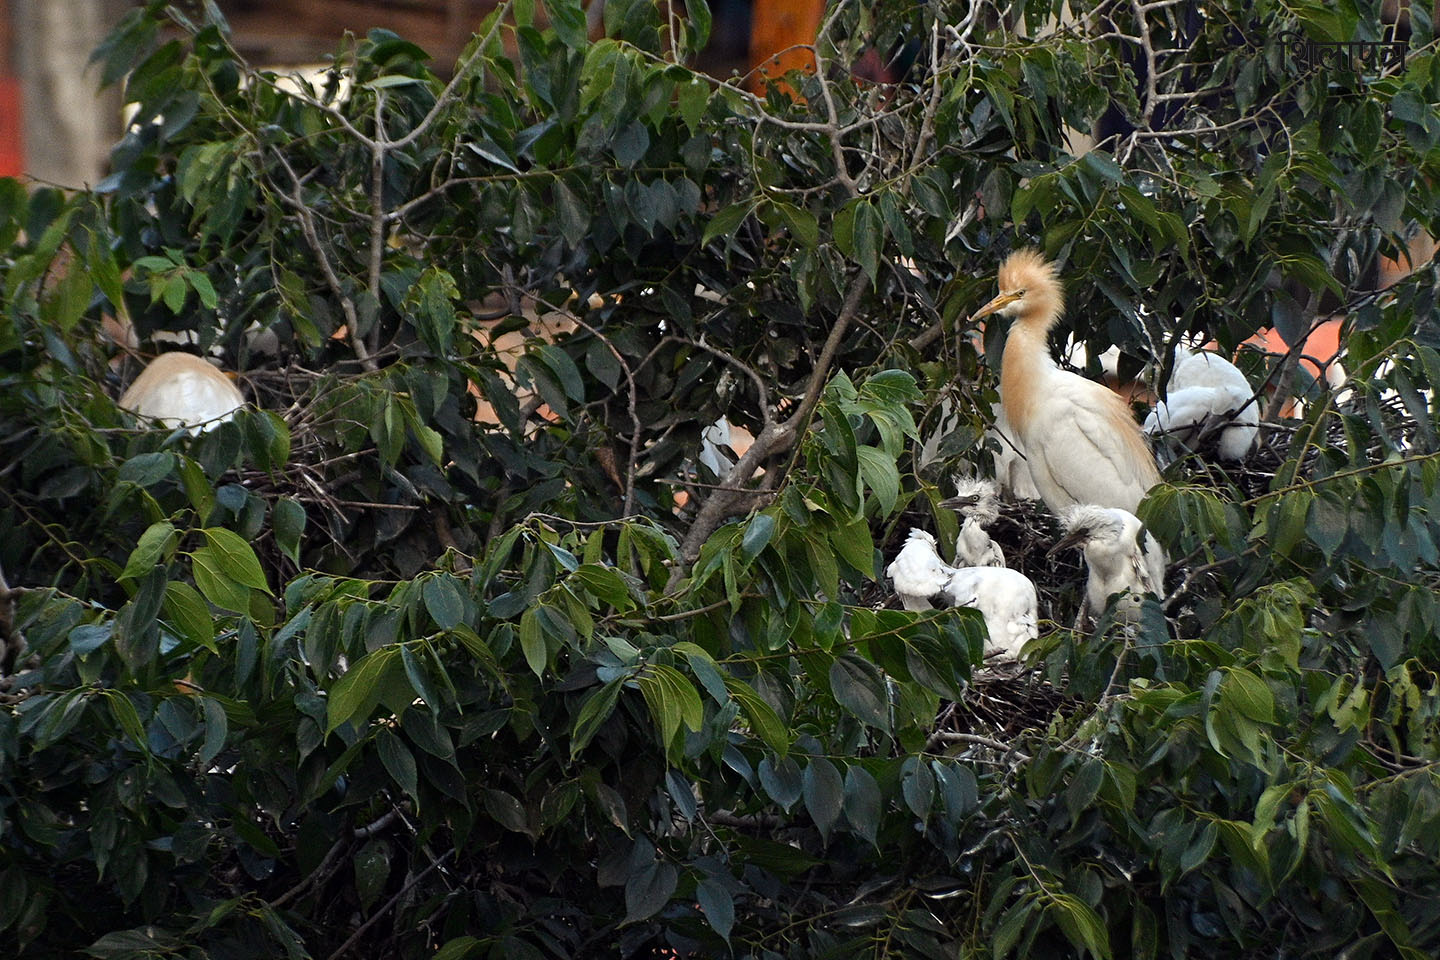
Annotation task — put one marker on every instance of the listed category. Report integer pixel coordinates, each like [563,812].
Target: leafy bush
[356,673]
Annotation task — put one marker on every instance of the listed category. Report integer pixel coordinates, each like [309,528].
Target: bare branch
[948,736]
[296,201]
[389,904]
[377,204]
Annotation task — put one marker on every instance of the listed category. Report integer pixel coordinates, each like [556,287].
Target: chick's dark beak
[1072,539]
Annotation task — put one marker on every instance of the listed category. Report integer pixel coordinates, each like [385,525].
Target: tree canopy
[361,673]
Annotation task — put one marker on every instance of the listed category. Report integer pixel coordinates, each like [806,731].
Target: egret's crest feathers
[1026,270]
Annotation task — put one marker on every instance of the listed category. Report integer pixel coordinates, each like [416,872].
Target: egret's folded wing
[1092,450]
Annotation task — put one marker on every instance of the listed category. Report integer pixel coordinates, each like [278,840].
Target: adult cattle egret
[1007,600]
[182,390]
[918,572]
[1081,442]
[979,503]
[1204,388]
[1117,557]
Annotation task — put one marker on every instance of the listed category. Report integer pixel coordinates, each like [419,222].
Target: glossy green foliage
[357,674]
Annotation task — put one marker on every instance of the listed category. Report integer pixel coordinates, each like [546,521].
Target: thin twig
[296,200]
[360,931]
[950,736]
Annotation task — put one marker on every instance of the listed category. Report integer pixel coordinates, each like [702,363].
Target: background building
[56,128]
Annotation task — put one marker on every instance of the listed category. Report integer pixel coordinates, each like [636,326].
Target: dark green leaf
[289,524]
[649,889]
[398,761]
[781,779]
[860,688]
[718,905]
[824,794]
[443,601]
[862,801]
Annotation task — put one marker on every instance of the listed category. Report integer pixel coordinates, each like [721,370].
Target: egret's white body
[1119,556]
[1205,387]
[978,502]
[1081,442]
[918,572]
[1007,600]
[1012,469]
[182,390]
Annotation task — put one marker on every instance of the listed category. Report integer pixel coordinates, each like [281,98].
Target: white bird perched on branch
[1082,444]
[1119,555]
[181,390]
[918,572]
[1005,598]
[979,503]
[1206,388]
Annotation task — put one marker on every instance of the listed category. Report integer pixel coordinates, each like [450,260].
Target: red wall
[12,146]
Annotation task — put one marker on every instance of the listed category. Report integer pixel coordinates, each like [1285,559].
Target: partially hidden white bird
[712,438]
[1012,468]
[918,572]
[1005,598]
[1078,436]
[1206,388]
[978,501]
[182,390]
[1120,556]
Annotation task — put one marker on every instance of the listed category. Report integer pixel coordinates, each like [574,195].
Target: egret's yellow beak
[1004,300]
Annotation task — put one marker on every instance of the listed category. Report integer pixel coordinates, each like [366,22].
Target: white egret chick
[979,503]
[1082,444]
[1007,600]
[918,572]
[1119,555]
[1206,388]
[181,390]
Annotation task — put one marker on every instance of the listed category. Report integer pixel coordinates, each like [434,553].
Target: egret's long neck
[1025,364]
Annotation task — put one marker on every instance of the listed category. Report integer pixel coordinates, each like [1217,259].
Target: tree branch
[774,439]
[296,201]
[378,148]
